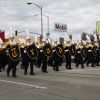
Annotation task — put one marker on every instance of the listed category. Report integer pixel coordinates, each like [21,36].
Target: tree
[83,35]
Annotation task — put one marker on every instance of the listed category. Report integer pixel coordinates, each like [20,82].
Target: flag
[98,27]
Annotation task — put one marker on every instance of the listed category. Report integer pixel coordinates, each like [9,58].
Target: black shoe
[82,67]
[25,73]
[57,70]
[0,71]
[93,66]
[53,68]
[87,64]
[76,66]
[7,73]
[14,76]
[32,74]
[70,68]
[3,68]
[59,64]
[45,71]
[21,66]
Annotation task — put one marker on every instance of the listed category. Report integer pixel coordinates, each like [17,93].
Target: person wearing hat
[90,56]
[22,48]
[38,59]
[11,64]
[28,60]
[67,54]
[96,57]
[55,56]
[44,57]
[78,54]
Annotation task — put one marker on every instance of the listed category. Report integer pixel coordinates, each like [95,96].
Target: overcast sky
[79,15]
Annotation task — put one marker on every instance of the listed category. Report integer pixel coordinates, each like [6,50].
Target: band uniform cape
[14,52]
[32,51]
[94,51]
[83,52]
[60,50]
[72,50]
[47,50]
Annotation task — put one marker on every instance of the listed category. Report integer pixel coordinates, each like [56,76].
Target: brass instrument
[40,46]
[65,45]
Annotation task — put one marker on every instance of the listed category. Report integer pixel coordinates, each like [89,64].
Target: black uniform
[68,57]
[39,58]
[56,60]
[28,61]
[44,62]
[79,57]
[11,63]
[22,56]
[90,56]
[97,56]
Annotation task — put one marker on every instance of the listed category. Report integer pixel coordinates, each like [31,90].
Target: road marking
[38,87]
[91,69]
[71,70]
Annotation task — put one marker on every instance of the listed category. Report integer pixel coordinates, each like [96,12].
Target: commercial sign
[60,27]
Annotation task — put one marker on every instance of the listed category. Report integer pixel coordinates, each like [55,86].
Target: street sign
[47,34]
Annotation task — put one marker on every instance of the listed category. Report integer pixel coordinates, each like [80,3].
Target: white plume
[27,32]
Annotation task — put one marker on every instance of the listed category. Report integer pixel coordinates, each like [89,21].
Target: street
[75,84]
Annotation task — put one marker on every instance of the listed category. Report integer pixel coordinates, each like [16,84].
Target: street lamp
[47,20]
[29,3]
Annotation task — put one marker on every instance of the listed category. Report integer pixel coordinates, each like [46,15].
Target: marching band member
[67,54]
[44,57]
[90,56]
[12,64]
[56,57]
[97,50]
[50,59]
[38,59]
[78,55]
[27,58]
[22,48]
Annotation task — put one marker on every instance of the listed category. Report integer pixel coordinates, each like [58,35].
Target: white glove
[69,45]
[22,46]
[14,43]
[40,50]
[53,50]
[24,51]
[7,51]
[81,47]
[66,50]
[3,47]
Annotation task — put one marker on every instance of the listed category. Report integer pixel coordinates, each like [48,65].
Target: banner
[98,27]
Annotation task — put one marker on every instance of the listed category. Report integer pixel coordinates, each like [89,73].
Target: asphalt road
[76,84]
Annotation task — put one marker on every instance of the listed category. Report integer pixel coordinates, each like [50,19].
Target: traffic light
[16,32]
